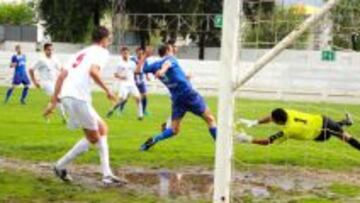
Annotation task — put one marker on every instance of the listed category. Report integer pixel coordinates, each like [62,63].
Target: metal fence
[22,33]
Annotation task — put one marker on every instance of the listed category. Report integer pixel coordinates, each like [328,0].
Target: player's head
[125,53]
[174,48]
[279,116]
[101,36]
[165,50]
[149,51]
[48,49]
[18,49]
[139,52]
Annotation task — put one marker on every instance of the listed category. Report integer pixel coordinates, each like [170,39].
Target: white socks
[83,146]
[102,145]
[80,147]
[140,109]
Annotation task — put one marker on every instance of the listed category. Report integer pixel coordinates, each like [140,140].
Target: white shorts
[48,87]
[81,114]
[126,90]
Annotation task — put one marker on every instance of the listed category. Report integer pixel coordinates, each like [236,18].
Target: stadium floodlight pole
[287,41]
[226,103]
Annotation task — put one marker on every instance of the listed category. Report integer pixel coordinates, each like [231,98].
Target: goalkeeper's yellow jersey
[301,126]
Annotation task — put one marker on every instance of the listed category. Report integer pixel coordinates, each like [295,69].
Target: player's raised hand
[248,123]
[244,138]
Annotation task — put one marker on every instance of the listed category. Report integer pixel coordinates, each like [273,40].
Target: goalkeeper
[300,126]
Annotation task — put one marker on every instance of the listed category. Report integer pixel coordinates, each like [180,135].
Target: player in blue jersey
[140,77]
[18,62]
[184,97]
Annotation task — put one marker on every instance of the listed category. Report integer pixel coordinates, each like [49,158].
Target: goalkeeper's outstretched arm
[244,138]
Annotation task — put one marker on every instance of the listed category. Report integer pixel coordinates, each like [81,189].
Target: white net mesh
[316,74]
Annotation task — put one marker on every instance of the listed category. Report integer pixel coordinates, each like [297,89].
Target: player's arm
[33,78]
[13,63]
[32,75]
[245,138]
[55,98]
[164,68]
[95,75]
[251,123]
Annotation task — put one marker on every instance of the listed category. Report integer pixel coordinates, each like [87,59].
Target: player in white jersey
[73,88]
[127,86]
[48,68]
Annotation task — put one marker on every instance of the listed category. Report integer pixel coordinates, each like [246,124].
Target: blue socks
[213,132]
[24,94]
[8,94]
[167,133]
[144,103]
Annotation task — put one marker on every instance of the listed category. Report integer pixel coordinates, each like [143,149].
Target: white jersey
[78,81]
[127,69]
[48,68]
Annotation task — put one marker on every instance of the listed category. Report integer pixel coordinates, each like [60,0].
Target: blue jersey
[20,61]
[174,79]
[139,77]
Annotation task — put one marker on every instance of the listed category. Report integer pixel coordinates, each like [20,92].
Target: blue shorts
[194,103]
[20,78]
[141,87]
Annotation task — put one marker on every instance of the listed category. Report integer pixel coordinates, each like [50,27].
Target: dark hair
[171,42]
[47,45]
[279,116]
[100,33]
[163,49]
[124,49]
[139,49]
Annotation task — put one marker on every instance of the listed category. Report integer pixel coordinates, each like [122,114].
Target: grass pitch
[25,135]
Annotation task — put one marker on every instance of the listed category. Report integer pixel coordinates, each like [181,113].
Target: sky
[308,2]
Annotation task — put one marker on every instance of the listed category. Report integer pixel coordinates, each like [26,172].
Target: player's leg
[9,92]
[178,112]
[102,145]
[347,121]
[136,94]
[332,128]
[196,104]
[144,100]
[123,94]
[26,82]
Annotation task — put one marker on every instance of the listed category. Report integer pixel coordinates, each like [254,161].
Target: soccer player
[184,97]
[73,88]
[48,68]
[18,61]
[125,75]
[300,126]
[140,78]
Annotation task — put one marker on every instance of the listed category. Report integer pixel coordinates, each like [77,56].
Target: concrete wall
[294,75]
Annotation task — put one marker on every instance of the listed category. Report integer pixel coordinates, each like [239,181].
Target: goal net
[293,54]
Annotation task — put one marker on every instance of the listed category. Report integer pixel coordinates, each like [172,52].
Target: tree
[346,21]
[16,14]
[266,29]
[73,20]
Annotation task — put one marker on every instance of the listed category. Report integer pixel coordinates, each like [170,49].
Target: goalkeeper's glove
[244,138]
[248,123]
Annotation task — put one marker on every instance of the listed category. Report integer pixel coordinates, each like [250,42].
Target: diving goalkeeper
[300,126]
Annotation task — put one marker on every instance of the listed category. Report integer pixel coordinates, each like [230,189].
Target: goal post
[226,104]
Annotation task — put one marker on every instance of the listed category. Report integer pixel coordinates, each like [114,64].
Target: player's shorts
[141,87]
[48,87]
[20,78]
[126,90]
[193,102]
[330,128]
[81,114]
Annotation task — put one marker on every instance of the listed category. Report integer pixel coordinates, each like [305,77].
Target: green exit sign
[328,55]
[218,21]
